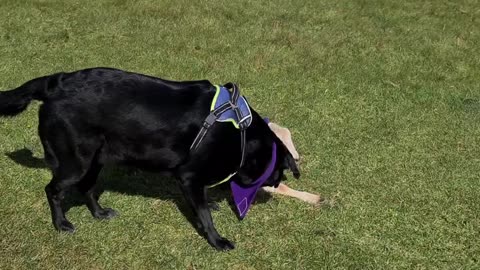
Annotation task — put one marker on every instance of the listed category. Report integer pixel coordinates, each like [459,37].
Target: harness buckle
[233,105]
[211,118]
[242,125]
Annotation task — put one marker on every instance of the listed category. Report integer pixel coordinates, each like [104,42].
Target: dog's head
[259,153]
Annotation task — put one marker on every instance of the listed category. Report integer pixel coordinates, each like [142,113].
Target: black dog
[97,116]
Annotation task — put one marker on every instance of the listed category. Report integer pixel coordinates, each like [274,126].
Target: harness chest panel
[227,106]
[222,96]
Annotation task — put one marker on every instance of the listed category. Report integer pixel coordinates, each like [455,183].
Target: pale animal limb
[286,137]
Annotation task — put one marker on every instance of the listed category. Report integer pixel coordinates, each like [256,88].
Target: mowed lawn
[382,98]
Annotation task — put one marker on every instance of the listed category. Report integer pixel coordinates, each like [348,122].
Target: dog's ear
[250,167]
[243,178]
[289,163]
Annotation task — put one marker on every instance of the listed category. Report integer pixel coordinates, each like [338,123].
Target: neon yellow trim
[212,106]
[223,181]
[230,120]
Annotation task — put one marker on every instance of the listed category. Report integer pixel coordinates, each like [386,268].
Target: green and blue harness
[228,106]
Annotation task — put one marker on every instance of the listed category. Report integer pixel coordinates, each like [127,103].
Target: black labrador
[99,116]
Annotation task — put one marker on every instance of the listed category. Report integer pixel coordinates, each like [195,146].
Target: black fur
[97,116]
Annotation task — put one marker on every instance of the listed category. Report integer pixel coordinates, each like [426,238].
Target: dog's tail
[15,101]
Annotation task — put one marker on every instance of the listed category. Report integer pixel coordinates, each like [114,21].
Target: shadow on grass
[131,181]
[25,158]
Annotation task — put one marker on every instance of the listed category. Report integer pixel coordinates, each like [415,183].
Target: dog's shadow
[132,181]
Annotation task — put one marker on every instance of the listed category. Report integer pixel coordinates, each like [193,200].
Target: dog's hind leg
[69,155]
[66,175]
[88,187]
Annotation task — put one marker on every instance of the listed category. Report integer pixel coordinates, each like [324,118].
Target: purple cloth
[244,196]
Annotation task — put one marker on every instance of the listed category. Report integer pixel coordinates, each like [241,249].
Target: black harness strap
[207,123]
[213,116]
[241,124]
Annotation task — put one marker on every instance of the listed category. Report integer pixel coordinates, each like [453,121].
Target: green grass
[382,97]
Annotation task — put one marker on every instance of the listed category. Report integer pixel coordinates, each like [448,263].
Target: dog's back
[133,116]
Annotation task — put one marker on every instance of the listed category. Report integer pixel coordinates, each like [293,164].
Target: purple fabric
[244,196]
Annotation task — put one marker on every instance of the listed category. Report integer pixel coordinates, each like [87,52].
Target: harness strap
[235,94]
[207,123]
[241,124]
[215,114]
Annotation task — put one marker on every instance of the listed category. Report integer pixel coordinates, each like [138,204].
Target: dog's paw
[224,244]
[332,202]
[213,206]
[65,226]
[106,213]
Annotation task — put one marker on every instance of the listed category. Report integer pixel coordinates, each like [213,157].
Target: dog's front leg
[196,196]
